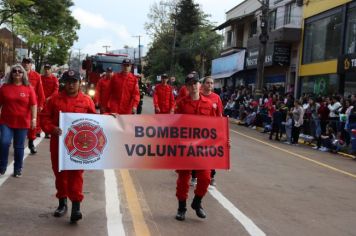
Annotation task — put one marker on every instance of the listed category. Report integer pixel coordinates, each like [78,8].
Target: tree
[196,43]
[9,9]
[48,28]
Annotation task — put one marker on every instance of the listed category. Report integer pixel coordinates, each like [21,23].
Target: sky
[114,23]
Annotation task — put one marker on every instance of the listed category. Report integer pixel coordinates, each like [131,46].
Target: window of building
[253,28]
[229,39]
[323,36]
[288,14]
[350,40]
[272,20]
[320,84]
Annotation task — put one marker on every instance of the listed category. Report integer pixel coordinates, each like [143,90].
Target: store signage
[276,54]
[346,63]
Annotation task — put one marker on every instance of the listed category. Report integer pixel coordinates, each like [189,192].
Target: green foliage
[47,27]
[196,42]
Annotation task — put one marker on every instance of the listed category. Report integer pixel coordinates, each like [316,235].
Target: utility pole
[262,48]
[139,69]
[106,48]
[79,55]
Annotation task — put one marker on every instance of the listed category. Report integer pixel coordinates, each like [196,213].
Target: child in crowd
[329,141]
[288,124]
[277,118]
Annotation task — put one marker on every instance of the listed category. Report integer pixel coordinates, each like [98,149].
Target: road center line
[114,224]
[246,222]
[134,206]
[298,155]
[11,165]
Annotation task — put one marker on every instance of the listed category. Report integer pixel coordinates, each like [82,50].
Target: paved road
[271,189]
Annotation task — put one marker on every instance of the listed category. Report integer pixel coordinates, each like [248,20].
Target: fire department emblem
[85,141]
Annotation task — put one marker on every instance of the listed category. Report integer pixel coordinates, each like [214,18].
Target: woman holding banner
[195,104]
[69,183]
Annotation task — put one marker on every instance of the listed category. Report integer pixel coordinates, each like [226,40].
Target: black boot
[62,208]
[182,208]
[31,146]
[76,214]
[196,205]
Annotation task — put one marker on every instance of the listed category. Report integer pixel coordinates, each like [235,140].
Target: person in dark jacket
[277,119]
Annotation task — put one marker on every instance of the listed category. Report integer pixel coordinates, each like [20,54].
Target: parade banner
[162,141]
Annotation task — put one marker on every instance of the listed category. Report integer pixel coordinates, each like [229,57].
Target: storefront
[277,63]
[346,69]
[225,68]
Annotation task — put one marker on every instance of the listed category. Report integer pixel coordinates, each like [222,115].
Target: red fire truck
[96,65]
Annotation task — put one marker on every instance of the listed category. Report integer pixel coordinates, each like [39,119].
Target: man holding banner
[194,104]
[69,183]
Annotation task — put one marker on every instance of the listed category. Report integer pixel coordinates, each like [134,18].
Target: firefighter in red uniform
[124,93]
[36,83]
[207,91]
[50,84]
[69,183]
[163,98]
[196,104]
[102,91]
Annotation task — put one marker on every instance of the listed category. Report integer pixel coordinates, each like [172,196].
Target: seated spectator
[329,141]
[229,108]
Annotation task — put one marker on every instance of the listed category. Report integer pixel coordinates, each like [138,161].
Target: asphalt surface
[271,189]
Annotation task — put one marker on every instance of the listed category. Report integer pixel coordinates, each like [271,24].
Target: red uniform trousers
[69,183]
[31,134]
[203,181]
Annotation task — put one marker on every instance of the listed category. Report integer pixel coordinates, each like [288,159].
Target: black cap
[164,76]
[47,65]
[27,60]
[71,75]
[191,78]
[126,61]
[109,69]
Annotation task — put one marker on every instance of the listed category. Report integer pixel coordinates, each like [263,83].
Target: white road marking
[10,167]
[246,222]
[115,225]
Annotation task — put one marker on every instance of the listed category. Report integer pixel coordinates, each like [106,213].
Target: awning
[232,20]
[223,75]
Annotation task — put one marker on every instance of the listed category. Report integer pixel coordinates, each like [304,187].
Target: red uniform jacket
[124,93]
[61,102]
[50,85]
[217,104]
[102,92]
[35,81]
[203,106]
[182,92]
[163,98]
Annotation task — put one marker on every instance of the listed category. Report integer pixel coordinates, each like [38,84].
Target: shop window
[350,84]
[350,41]
[320,84]
[323,37]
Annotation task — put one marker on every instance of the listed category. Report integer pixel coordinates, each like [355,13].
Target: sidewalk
[260,129]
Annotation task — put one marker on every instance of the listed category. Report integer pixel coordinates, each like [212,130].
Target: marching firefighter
[50,84]
[69,183]
[195,104]
[143,88]
[36,83]
[124,94]
[102,90]
[163,98]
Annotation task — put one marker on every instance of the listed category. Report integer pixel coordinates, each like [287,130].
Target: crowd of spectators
[327,121]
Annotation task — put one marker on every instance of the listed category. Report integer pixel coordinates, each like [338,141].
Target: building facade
[241,32]
[328,59]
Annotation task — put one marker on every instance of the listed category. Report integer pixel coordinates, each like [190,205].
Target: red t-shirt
[16,102]
[217,104]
